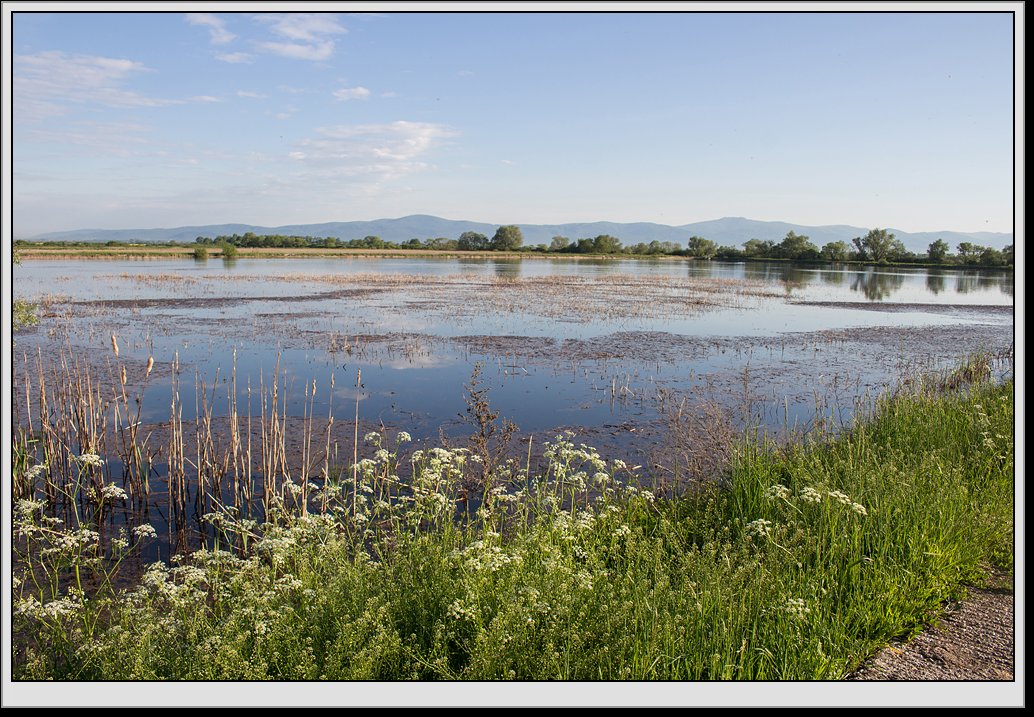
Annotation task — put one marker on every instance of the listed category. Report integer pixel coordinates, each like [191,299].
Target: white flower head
[36,471]
[810,495]
[759,527]
[840,497]
[113,492]
[90,459]
[144,531]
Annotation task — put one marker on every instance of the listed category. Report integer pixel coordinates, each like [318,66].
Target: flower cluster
[112,492]
[796,607]
[845,499]
[810,495]
[759,527]
[89,460]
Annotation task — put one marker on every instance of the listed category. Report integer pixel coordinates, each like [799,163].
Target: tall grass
[809,557]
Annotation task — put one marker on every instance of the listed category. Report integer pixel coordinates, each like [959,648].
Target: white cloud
[205,98]
[316,51]
[253,95]
[216,27]
[45,84]
[236,58]
[98,139]
[352,93]
[304,36]
[374,151]
[303,27]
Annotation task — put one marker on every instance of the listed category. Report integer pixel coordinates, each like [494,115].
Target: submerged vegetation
[796,562]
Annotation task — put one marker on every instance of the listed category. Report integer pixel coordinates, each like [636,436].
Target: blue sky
[152,119]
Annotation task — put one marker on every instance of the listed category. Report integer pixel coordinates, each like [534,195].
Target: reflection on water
[809,283]
[935,281]
[875,285]
[415,327]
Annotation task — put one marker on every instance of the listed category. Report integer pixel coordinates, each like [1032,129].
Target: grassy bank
[802,562]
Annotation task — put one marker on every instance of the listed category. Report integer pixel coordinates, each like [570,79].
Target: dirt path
[974,641]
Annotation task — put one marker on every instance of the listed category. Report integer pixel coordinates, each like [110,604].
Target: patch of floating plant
[893,307]
[568,298]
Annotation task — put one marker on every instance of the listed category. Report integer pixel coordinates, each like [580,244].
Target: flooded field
[645,360]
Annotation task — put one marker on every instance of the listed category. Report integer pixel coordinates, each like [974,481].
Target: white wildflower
[113,492]
[36,471]
[622,530]
[90,459]
[810,495]
[403,437]
[373,437]
[797,608]
[144,531]
[759,527]
[459,611]
[840,497]
[779,492]
[26,508]
[859,508]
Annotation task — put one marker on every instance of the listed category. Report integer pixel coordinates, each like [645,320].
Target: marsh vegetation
[494,471]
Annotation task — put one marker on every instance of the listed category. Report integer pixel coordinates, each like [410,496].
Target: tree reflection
[507,269]
[832,277]
[968,281]
[875,285]
[935,281]
[793,278]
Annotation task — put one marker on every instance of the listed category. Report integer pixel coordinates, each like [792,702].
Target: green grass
[808,559]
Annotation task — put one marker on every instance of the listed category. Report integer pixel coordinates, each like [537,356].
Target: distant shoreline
[185,251]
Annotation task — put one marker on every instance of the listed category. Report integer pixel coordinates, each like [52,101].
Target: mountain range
[728,231]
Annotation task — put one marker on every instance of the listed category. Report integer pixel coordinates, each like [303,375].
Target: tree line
[878,246]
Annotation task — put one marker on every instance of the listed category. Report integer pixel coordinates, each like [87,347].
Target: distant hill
[728,231]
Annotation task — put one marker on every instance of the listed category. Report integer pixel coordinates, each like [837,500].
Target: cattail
[123,370]
[150,365]
[114,345]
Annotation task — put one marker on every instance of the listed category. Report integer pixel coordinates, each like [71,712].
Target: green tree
[507,238]
[584,246]
[228,250]
[758,248]
[968,252]
[472,241]
[938,251]
[701,248]
[797,246]
[836,251]
[606,244]
[878,245]
[559,244]
[992,257]
[200,252]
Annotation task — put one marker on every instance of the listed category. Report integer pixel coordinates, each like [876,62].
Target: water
[548,364]
[603,348]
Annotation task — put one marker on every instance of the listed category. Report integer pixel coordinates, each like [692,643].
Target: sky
[671,115]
